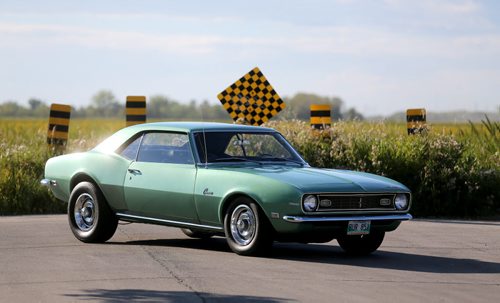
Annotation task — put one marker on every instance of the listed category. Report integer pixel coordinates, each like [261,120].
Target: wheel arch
[228,199]
[85,177]
[81,177]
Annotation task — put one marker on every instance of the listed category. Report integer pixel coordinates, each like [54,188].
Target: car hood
[308,179]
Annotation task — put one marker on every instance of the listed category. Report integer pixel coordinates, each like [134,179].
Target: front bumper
[311,219]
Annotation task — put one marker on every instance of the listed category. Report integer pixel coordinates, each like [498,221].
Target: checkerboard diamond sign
[251,98]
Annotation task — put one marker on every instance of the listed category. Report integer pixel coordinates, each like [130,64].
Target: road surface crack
[176,277]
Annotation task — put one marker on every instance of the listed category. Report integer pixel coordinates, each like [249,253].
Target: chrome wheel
[85,212]
[243,225]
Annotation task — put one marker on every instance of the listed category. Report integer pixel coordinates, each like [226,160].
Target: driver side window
[163,147]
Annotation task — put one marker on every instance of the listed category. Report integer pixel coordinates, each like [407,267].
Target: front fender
[215,188]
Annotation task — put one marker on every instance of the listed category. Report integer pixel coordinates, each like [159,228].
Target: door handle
[134,172]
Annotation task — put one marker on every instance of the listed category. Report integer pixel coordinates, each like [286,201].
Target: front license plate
[358,228]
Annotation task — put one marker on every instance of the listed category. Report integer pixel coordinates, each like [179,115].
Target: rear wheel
[90,218]
[197,234]
[361,245]
[247,229]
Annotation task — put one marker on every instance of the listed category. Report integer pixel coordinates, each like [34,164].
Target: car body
[243,182]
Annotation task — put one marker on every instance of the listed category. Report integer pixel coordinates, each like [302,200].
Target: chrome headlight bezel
[310,203]
[401,201]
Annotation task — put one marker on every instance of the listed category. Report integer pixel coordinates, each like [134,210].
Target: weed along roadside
[450,175]
[452,170]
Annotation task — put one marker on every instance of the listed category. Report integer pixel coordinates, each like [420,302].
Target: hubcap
[243,225]
[85,212]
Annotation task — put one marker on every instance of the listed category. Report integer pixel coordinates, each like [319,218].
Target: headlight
[401,201]
[310,203]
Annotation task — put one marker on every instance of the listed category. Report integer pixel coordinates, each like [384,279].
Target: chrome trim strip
[297,219]
[169,222]
[48,182]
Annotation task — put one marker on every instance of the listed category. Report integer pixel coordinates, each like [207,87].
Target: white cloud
[119,16]
[437,7]
[442,15]
[27,35]
[359,41]
[369,41]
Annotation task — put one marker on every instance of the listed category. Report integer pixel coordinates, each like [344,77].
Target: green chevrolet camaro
[242,182]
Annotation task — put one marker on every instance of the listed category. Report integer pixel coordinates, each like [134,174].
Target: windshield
[244,147]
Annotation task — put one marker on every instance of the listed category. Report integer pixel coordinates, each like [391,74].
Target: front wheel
[90,218]
[248,232]
[361,245]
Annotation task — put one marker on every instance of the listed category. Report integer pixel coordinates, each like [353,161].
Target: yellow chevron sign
[59,118]
[321,116]
[135,110]
[416,120]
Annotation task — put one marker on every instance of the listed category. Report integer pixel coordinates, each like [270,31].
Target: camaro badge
[207,193]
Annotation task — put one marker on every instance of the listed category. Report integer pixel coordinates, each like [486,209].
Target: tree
[104,103]
[352,114]
[157,106]
[298,107]
[35,103]
[11,109]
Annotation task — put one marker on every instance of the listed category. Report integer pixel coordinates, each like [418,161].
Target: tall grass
[453,171]
[23,153]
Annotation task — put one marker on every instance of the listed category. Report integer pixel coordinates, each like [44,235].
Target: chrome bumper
[48,183]
[296,219]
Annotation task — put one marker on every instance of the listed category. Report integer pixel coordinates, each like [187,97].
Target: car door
[160,183]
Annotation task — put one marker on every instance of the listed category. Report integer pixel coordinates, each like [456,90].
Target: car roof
[118,138]
[198,126]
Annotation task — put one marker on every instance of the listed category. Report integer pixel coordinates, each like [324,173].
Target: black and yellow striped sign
[135,110]
[321,116]
[416,120]
[251,98]
[58,124]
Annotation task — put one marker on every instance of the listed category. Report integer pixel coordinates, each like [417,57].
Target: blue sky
[378,56]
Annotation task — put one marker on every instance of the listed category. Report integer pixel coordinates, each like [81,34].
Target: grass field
[453,171]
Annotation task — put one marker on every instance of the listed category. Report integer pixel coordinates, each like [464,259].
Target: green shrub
[452,173]
[449,175]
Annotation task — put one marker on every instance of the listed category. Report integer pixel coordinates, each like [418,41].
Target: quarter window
[130,152]
[165,148]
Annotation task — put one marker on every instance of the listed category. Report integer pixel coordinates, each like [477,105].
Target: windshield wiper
[238,159]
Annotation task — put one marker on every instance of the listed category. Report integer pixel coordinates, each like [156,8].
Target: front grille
[355,202]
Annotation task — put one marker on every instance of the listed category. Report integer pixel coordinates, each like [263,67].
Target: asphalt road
[422,261]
